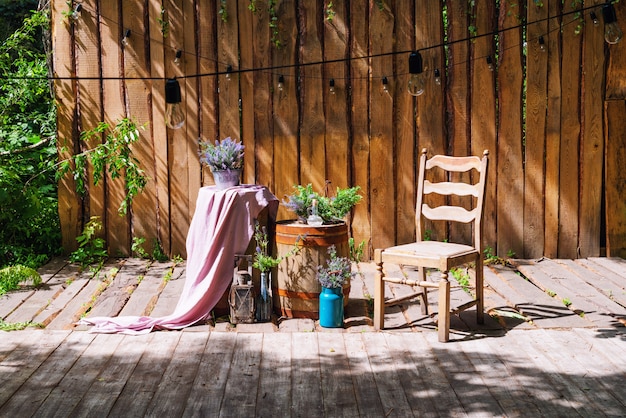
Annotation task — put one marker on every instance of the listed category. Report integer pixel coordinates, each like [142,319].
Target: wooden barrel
[296,289]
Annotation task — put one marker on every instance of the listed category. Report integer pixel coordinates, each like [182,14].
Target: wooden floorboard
[533,356]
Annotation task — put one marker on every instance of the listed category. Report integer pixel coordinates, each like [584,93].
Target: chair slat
[449,188]
[456,164]
[448,213]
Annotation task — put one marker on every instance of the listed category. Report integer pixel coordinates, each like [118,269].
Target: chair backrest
[451,212]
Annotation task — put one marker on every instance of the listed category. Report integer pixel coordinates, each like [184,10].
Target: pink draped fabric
[222,226]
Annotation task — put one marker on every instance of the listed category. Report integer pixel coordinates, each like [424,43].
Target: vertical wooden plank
[359,117]
[430,108]
[246,85]
[70,205]
[138,103]
[90,95]
[111,27]
[534,150]
[404,126]
[262,55]
[178,142]
[228,55]
[592,149]
[312,152]
[192,102]
[615,178]
[457,102]
[157,129]
[570,135]
[616,65]
[335,48]
[510,181]
[382,153]
[553,133]
[207,44]
[285,102]
[483,110]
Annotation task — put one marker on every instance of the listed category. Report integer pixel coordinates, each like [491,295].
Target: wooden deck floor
[534,356]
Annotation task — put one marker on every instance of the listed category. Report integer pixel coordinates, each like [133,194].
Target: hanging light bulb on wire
[612,32]
[174,116]
[416,69]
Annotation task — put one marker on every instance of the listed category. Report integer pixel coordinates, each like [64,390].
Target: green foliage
[12,14]
[157,252]
[223,12]
[356,252]
[11,277]
[18,326]
[336,272]
[29,224]
[263,260]
[164,22]
[91,248]
[567,302]
[330,209]
[462,277]
[113,155]
[330,11]
[137,247]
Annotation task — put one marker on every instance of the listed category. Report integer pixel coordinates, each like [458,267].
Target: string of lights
[417,72]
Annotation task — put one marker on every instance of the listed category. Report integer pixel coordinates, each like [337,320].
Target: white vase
[226,178]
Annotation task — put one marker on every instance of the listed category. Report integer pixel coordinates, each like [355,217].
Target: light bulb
[76,12]
[127,34]
[229,70]
[542,44]
[490,63]
[612,31]
[437,77]
[281,83]
[416,69]
[174,116]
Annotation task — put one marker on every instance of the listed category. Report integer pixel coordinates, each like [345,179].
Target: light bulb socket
[385,81]
[490,63]
[78,8]
[416,65]
[281,79]
[542,41]
[594,18]
[127,33]
[608,13]
[179,54]
[437,73]
[172,91]
[332,82]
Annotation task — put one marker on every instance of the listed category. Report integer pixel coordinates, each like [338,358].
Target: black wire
[273,70]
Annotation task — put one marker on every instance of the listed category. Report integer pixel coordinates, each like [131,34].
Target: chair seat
[434,254]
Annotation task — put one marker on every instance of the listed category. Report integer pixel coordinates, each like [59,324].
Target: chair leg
[424,306]
[480,300]
[379,292]
[444,308]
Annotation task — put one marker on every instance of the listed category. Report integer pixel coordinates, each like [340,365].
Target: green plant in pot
[225,159]
[332,277]
[330,209]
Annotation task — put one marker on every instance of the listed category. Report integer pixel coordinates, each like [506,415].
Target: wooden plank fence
[552,120]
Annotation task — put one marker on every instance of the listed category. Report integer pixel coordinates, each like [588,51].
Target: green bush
[29,224]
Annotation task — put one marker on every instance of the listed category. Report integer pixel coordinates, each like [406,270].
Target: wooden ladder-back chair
[435,254]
